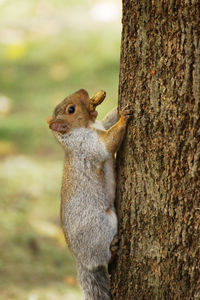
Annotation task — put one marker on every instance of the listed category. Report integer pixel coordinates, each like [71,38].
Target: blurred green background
[48,49]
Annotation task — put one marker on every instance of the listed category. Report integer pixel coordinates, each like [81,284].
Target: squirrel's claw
[126,112]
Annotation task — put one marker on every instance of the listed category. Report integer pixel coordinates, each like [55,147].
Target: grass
[45,55]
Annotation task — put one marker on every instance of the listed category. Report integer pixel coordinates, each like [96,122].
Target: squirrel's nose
[49,119]
[59,126]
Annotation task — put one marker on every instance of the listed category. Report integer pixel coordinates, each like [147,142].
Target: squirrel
[88,215]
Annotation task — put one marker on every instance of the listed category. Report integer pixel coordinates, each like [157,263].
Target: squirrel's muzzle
[58,125]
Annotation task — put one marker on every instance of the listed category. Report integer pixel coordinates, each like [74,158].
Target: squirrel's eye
[71,109]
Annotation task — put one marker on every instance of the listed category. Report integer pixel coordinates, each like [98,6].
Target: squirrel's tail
[95,283]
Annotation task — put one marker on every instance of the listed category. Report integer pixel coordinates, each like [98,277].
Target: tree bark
[158,192]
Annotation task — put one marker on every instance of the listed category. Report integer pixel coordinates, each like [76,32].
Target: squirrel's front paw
[126,113]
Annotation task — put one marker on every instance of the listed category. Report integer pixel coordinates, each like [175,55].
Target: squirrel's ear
[84,97]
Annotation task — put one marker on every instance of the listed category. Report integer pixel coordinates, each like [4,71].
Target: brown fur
[63,122]
[113,137]
[66,192]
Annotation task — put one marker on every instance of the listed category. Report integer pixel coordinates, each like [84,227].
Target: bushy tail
[95,283]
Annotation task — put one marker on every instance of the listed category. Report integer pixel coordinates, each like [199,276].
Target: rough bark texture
[158,193]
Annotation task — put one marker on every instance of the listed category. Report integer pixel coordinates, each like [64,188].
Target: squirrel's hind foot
[114,246]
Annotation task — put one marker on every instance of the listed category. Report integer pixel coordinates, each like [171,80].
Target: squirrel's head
[73,112]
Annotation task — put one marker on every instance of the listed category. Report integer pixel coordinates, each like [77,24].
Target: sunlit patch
[105,11]
[49,229]
[2,1]
[15,52]
[10,36]
[5,105]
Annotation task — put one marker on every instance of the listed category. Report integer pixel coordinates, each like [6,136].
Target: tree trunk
[158,192]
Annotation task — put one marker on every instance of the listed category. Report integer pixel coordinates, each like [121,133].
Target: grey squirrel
[88,215]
